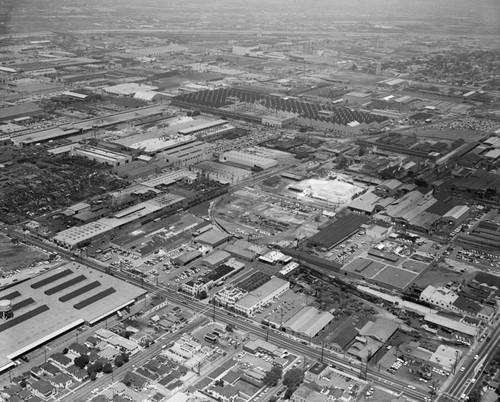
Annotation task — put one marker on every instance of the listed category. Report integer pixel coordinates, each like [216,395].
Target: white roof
[457,212]
[451,324]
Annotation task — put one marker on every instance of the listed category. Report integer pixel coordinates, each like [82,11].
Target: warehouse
[254,300]
[216,258]
[338,231]
[213,238]
[187,154]
[187,258]
[57,301]
[129,89]
[82,235]
[369,203]
[153,146]
[247,160]
[457,326]
[357,98]
[221,173]
[101,155]
[168,178]
[209,130]
[23,110]
[308,322]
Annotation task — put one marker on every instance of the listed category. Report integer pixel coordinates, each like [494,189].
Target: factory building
[187,154]
[247,160]
[357,98]
[101,155]
[154,146]
[254,300]
[221,173]
[209,131]
[20,111]
[79,236]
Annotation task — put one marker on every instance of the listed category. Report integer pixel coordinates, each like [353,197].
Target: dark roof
[345,336]
[79,348]
[63,360]
[338,230]
[467,305]
[317,368]
[50,368]
[488,279]
[44,387]
[135,379]
[13,112]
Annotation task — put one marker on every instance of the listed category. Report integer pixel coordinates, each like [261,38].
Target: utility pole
[214,310]
[322,350]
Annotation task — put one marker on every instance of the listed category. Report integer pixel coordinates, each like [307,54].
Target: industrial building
[212,238]
[129,89]
[255,299]
[19,111]
[168,178]
[357,98]
[372,337]
[308,322]
[78,236]
[221,173]
[154,146]
[101,155]
[251,105]
[210,130]
[338,231]
[56,302]
[247,160]
[187,154]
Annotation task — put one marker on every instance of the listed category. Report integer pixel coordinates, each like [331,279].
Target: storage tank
[5,309]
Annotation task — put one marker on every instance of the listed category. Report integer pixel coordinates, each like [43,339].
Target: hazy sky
[481,11]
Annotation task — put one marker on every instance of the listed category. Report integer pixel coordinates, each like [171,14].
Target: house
[226,393]
[306,394]
[78,349]
[60,360]
[77,373]
[134,380]
[50,369]
[43,389]
[61,381]
[92,342]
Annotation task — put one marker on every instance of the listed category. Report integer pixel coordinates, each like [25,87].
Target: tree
[273,376]
[93,376]
[288,393]
[65,351]
[229,328]
[91,369]
[107,368]
[81,361]
[119,361]
[98,366]
[203,295]
[125,357]
[293,378]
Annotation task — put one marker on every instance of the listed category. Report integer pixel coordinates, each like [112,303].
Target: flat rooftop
[57,301]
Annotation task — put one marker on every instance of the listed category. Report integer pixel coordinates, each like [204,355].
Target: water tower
[5,309]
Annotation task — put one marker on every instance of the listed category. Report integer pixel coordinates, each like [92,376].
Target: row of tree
[98,366]
[292,379]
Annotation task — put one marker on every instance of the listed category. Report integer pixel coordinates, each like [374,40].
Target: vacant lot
[17,256]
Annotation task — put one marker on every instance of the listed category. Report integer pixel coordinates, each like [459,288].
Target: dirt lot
[17,256]
[444,272]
